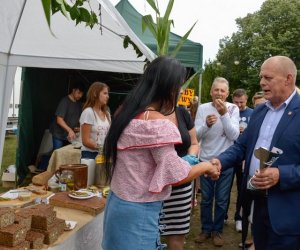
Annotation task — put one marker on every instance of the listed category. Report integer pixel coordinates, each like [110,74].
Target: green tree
[273,30]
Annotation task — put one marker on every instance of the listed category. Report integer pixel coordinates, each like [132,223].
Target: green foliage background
[273,30]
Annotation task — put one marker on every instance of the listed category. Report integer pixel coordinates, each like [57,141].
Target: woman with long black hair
[144,164]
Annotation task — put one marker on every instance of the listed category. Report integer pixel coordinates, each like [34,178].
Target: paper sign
[186,97]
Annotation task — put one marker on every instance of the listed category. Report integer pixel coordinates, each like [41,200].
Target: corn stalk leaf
[147,22]
[165,37]
[153,5]
[188,81]
[168,10]
[182,41]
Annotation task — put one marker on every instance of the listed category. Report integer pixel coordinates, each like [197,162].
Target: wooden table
[15,203]
[87,234]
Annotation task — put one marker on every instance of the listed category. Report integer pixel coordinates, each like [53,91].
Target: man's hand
[220,106]
[76,130]
[215,170]
[211,120]
[216,162]
[213,173]
[71,135]
[265,178]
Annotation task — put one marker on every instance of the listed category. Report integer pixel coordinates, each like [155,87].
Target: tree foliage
[81,12]
[273,30]
[78,10]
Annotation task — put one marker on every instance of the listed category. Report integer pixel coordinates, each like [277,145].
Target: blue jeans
[131,225]
[88,155]
[215,193]
[59,143]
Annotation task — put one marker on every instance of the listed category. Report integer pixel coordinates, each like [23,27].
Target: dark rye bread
[42,218]
[23,217]
[36,239]
[25,245]
[52,234]
[7,217]
[12,235]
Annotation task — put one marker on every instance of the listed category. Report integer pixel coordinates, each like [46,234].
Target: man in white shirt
[217,126]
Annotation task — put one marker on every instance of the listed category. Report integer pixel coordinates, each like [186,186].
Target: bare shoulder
[154,115]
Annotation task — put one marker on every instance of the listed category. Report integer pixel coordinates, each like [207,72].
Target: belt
[257,194]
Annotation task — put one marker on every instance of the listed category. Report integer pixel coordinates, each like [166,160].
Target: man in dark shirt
[66,122]
[239,98]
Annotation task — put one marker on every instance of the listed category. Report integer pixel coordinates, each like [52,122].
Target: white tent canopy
[26,41]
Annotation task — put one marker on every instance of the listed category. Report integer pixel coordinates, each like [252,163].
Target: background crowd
[154,149]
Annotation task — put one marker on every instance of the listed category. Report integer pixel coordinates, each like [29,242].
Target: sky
[215,19]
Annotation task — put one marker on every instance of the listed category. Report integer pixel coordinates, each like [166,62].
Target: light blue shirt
[267,129]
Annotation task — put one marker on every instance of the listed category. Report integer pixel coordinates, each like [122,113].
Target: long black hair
[160,84]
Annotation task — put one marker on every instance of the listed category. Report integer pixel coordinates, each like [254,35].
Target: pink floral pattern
[147,163]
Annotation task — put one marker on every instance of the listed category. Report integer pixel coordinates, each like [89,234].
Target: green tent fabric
[41,92]
[191,53]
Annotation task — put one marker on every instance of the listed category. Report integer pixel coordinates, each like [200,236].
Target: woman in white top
[94,120]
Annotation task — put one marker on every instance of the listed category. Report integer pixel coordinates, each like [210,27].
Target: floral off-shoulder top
[147,163]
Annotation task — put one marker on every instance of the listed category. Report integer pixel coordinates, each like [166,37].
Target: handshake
[214,169]
[210,168]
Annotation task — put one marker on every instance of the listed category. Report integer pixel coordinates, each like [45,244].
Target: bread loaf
[42,178]
[52,234]
[23,217]
[7,217]
[12,235]
[36,239]
[43,219]
[25,245]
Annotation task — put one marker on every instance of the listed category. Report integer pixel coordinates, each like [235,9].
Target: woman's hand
[213,171]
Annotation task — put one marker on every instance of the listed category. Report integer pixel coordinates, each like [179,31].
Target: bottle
[100,156]
[100,177]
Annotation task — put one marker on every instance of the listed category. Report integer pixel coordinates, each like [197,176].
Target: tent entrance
[41,92]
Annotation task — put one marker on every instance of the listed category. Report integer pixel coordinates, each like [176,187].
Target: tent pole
[200,88]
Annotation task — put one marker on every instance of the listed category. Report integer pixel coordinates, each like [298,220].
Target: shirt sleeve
[230,122]
[200,123]
[170,168]
[87,117]
[187,118]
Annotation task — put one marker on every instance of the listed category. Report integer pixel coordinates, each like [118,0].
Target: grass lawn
[9,154]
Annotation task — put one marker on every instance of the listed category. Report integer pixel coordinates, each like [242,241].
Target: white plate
[90,195]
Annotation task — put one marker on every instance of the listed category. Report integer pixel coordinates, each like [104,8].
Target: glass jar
[66,180]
